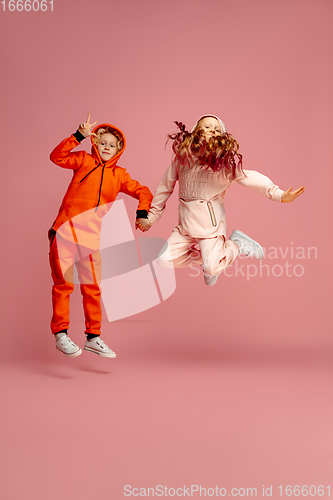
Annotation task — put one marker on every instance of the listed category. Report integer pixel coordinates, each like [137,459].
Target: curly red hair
[218,153]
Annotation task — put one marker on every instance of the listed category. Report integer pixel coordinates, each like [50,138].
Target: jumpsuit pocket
[211,213]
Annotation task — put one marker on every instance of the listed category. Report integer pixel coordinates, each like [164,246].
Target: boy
[74,235]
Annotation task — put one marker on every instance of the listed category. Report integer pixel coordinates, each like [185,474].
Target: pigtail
[181,145]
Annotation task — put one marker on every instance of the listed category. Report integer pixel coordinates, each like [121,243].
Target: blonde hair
[108,130]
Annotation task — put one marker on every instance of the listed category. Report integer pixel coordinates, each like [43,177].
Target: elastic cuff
[142,214]
[78,136]
[91,336]
[61,331]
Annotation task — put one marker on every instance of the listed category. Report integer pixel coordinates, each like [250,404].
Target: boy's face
[211,127]
[107,146]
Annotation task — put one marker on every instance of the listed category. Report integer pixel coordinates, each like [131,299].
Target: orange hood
[94,151]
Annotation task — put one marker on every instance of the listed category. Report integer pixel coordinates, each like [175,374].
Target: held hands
[143,224]
[289,196]
[86,128]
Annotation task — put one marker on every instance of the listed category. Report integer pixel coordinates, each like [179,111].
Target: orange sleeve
[62,156]
[136,190]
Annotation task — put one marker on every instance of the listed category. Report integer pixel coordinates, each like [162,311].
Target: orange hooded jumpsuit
[94,185]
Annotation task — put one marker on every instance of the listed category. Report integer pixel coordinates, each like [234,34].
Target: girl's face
[210,127]
[107,146]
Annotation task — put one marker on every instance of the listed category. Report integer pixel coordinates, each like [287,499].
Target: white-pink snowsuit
[201,220]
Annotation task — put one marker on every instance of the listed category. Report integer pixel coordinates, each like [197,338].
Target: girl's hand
[289,196]
[143,224]
[86,128]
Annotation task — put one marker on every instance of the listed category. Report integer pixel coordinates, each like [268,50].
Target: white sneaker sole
[255,243]
[212,281]
[103,354]
[70,355]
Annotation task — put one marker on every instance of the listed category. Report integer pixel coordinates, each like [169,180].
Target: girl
[206,162]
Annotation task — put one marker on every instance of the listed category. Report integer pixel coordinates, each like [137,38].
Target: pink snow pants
[215,254]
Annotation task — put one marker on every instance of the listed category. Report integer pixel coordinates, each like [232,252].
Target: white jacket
[201,197]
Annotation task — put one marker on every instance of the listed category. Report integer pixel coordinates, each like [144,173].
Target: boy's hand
[143,224]
[86,128]
[289,196]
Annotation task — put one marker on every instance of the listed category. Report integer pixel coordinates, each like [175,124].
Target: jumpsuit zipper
[89,173]
[100,188]
[211,213]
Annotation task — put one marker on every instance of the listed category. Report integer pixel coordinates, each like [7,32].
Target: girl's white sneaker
[209,280]
[98,346]
[247,246]
[65,345]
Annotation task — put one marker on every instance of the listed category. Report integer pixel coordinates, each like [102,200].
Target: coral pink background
[227,386]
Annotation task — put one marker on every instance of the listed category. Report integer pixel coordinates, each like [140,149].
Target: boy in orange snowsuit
[74,235]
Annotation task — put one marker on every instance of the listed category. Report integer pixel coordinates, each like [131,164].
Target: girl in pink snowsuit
[205,164]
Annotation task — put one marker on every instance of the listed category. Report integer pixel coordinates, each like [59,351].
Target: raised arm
[62,155]
[86,128]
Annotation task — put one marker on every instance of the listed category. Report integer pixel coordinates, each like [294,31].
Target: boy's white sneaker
[67,346]
[98,346]
[247,246]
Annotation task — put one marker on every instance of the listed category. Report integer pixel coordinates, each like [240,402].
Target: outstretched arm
[263,185]
[162,194]
[260,184]
[289,196]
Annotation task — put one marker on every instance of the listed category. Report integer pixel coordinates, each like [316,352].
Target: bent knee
[164,259]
